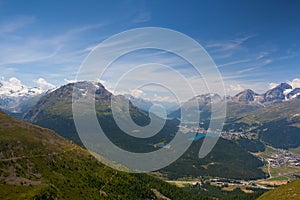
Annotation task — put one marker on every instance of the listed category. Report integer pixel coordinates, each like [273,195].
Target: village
[229,135]
[283,157]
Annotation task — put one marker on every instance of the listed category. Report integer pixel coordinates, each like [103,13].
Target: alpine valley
[258,147]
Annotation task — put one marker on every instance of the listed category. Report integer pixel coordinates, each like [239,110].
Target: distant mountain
[235,105]
[247,96]
[204,103]
[147,104]
[16,97]
[280,93]
[243,102]
[37,163]
[277,94]
[273,115]
[206,99]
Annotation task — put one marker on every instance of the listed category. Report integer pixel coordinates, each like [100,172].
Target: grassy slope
[37,163]
[289,191]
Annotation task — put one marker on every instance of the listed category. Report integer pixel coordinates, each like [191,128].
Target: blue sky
[253,43]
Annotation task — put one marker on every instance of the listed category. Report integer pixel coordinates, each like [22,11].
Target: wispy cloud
[233,87]
[255,66]
[289,54]
[42,83]
[234,62]
[27,48]
[221,46]
[142,16]
[263,55]
[9,26]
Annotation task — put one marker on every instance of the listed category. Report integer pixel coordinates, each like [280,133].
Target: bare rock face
[277,94]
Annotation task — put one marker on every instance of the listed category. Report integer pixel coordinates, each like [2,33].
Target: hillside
[226,160]
[290,191]
[36,163]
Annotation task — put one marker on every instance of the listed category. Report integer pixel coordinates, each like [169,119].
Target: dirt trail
[35,156]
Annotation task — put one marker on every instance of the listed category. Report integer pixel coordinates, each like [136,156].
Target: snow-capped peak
[13,93]
[14,88]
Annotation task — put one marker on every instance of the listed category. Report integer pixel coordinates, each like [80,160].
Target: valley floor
[281,165]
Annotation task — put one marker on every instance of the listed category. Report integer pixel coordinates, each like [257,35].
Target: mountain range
[16,97]
[247,112]
[54,111]
[147,104]
[280,93]
[272,116]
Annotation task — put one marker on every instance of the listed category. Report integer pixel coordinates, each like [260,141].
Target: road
[269,171]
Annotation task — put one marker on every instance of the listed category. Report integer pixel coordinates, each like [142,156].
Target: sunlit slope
[36,163]
[289,191]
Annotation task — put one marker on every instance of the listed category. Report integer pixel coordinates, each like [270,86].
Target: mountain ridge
[280,93]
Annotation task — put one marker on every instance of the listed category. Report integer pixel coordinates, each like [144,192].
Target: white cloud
[70,81]
[235,88]
[30,48]
[295,83]
[43,84]
[221,46]
[272,85]
[14,81]
[163,98]
[234,62]
[137,93]
[12,87]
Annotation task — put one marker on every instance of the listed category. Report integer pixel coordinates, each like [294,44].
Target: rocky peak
[245,96]
[208,98]
[277,94]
